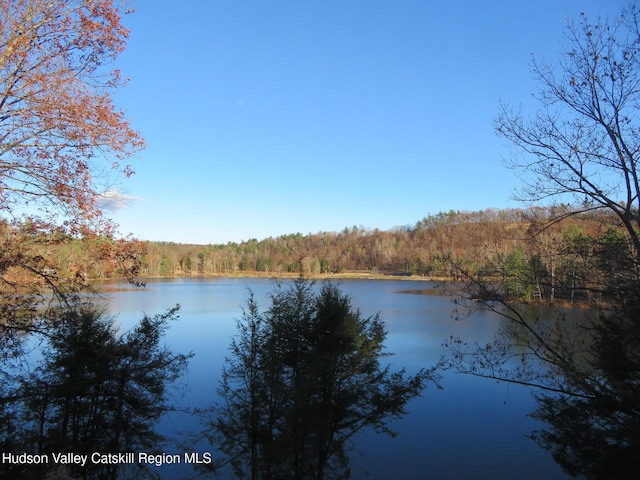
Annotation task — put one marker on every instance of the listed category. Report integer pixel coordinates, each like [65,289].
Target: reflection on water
[594,432]
[421,291]
[473,428]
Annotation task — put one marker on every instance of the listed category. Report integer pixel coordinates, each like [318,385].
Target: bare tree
[581,149]
[582,145]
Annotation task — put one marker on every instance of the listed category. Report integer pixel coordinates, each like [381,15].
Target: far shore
[350,275]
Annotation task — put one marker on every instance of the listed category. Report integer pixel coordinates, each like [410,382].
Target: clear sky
[271,117]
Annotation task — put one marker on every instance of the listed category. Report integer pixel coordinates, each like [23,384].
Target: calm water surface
[471,429]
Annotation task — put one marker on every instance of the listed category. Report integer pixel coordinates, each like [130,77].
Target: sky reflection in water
[472,429]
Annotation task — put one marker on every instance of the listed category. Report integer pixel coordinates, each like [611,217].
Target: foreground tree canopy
[60,136]
[301,380]
[56,115]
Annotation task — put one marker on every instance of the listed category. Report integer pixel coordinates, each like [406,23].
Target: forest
[533,256]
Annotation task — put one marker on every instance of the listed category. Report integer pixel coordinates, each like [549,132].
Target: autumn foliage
[62,142]
[530,257]
[57,119]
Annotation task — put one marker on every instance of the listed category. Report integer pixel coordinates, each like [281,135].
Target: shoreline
[353,275]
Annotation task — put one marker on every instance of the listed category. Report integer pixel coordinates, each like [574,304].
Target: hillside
[518,246]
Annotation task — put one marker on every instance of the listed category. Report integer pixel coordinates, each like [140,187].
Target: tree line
[532,255]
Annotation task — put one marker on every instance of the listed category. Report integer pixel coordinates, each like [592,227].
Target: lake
[471,429]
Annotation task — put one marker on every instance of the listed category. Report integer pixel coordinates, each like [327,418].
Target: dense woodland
[531,256]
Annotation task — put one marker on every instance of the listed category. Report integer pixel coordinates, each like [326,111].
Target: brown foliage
[58,130]
[56,116]
[536,257]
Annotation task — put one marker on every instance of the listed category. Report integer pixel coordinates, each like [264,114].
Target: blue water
[471,429]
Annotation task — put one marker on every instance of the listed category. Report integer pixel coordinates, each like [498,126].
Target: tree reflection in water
[585,374]
[595,433]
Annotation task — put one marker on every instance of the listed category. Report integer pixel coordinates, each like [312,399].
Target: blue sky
[271,117]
